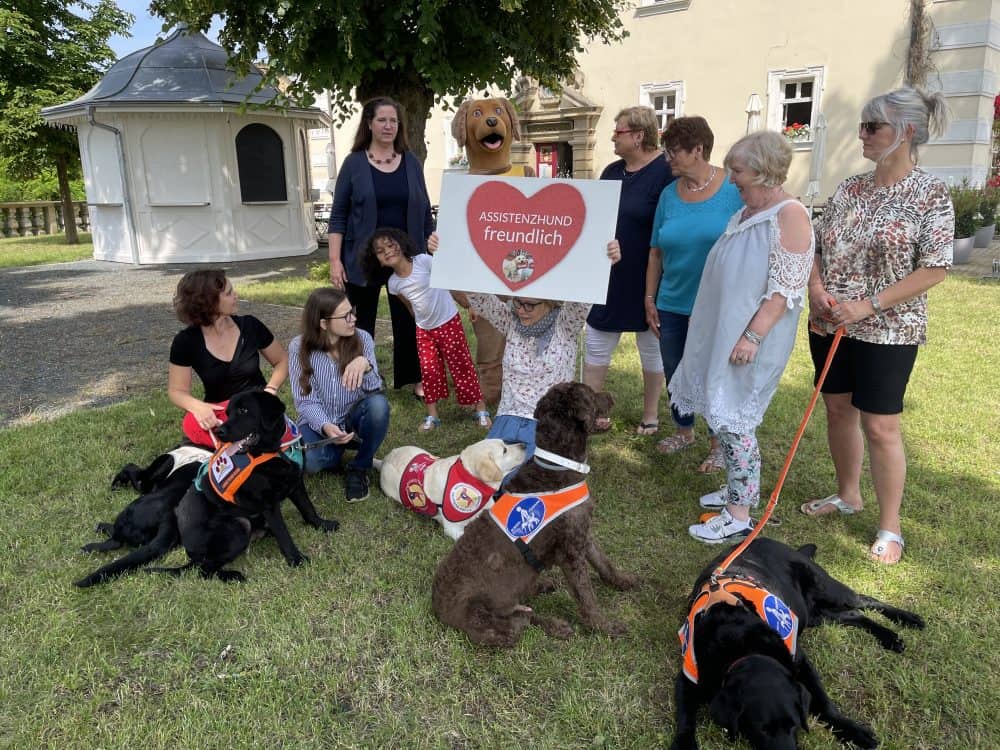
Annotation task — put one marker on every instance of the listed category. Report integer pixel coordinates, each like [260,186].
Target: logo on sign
[526,516]
[520,238]
[778,616]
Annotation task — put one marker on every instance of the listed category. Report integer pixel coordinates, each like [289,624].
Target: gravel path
[90,333]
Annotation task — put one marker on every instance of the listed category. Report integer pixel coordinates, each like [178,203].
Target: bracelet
[751,336]
[650,296]
[272,388]
[876,305]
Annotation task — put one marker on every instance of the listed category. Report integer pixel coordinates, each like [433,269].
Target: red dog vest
[523,516]
[464,494]
[737,591]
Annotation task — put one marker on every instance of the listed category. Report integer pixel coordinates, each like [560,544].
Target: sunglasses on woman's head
[871,127]
[526,306]
[352,314]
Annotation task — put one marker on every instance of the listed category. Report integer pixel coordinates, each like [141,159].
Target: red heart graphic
[521,239]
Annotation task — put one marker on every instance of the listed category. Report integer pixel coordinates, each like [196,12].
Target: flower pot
[984,235]
[963,249]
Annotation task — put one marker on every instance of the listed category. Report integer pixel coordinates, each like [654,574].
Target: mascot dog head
[486,128]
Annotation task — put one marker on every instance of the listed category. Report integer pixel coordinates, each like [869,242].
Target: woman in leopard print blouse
[883,241]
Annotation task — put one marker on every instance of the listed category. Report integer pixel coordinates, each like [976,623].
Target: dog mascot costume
[486,129]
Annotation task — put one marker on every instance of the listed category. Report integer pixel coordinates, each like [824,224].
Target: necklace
[387,160]
[699,188]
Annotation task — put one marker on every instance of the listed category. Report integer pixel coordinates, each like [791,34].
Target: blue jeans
[513,429]
[369,419]
[673,335]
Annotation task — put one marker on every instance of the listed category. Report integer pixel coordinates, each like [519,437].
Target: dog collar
[554,458]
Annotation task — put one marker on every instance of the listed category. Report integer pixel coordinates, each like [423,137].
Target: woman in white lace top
[743,324]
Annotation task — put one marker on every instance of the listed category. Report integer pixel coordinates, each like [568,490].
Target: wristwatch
[876,306]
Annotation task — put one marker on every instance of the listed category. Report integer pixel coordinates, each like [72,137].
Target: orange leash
[788,461]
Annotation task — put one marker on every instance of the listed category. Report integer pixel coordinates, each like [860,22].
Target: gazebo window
[261,162]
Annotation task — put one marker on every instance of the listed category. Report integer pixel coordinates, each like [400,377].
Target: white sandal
[816,507]
[882,541]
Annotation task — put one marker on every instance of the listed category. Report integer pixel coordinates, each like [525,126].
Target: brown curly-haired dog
[480,586]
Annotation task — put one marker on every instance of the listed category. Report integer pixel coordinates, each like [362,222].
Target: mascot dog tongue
[486,129]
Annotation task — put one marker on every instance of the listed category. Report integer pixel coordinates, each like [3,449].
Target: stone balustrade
[31,218]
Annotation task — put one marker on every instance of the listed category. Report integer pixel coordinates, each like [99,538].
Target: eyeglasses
[627,130]
[871,127]
[520,304]
[670,153]
[351,314]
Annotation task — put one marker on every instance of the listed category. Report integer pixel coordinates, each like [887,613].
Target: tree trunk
[68,209]
[410,91]
[917,55]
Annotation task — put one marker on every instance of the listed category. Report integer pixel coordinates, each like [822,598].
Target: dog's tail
[165,540]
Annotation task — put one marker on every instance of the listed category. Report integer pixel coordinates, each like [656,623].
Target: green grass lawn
[345,652]
[45,248]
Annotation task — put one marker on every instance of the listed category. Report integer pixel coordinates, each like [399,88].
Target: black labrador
[147,523]
[741,656]
[241,491]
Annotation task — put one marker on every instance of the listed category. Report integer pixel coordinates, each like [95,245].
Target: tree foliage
[51,51]
[416,52]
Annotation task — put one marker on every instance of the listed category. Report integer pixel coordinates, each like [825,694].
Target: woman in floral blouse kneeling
[883,241]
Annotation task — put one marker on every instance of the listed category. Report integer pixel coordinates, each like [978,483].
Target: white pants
[600,345]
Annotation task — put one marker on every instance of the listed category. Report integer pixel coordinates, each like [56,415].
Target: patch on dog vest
[523,516]
[228,470]
[411,485]
[738,591]
[464,494]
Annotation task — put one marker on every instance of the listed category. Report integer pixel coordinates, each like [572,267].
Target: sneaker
[356,485]
[717,499]
[721,528]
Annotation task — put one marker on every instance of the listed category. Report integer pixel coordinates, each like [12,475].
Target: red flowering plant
[796,132]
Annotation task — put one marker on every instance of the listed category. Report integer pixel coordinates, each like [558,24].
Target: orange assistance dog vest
[464,494]
[736,592]
[521,517]
[228,469]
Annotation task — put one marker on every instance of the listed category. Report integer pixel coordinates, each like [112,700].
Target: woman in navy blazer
[381,183]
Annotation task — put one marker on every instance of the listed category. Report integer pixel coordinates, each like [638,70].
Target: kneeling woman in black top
[221,347]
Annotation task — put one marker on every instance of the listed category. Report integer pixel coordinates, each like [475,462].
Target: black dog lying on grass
[147,523]
[740,653]
[241,490]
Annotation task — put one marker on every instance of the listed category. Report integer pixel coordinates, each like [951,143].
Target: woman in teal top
[691,215]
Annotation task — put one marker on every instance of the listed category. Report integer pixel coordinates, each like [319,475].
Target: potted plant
[965,199]
[796,132]
[990,196]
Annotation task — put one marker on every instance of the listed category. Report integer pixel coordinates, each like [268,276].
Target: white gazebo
[184,162]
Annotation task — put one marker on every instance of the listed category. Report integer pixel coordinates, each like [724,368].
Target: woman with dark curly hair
[221,347]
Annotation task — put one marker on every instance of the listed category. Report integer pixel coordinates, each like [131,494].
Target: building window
[319,134]
[260,159]
[793,101]
[653,7]
[666,100]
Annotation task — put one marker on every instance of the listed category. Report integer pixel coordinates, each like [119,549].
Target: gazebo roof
[185,69]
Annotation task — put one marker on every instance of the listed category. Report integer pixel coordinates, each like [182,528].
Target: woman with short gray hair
[743,324]
[884,239]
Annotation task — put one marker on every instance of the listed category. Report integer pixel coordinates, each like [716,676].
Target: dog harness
[464,493]
[229,468]
[737,592]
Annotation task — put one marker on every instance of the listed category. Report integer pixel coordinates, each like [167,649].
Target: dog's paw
[614,629]
[626,581]
[558,628]
[851,732]
[298,560]
[545,586]
[230,576]
[911,620]
[328,524]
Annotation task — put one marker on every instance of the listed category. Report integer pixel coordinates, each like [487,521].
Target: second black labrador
[740,651]
[242,490]
[147,523]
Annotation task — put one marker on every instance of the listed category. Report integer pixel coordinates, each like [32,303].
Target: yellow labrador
[452,490]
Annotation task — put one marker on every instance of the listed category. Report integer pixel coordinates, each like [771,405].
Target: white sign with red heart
[527,236]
